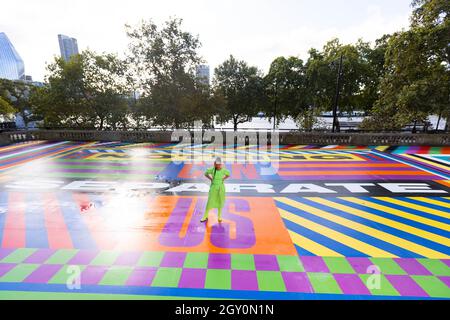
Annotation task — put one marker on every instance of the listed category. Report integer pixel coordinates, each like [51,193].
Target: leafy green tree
[16,98]
[416,82]
[286,89]
[163,62]
[242,86]
[88,91]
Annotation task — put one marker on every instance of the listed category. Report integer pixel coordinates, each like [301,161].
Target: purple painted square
[446,261]
[83,257]
[173,259]
[360,265]
[413,267]
[40,256]
[219,261]
[266,262]
[141,276]
[192,279]
[5,268]
[446,280]
[314,264]
[406,286]
[5,252]
[43,273]
[128,259]
[351,284]
[93,274]
[244,280]
[297,282]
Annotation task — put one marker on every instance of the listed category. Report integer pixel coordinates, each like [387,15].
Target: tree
[286,89]
[15,96]
[243,89]
[416,82]
[88,91]
[163,62]
[356,79]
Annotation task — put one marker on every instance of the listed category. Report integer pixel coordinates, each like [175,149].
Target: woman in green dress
[216,196]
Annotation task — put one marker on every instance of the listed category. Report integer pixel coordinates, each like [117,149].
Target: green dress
[216,196]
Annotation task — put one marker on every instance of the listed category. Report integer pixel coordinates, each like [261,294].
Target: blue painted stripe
[391,216]
[195,293]
[303,252]
[378,243]
[35,231]
[431,206]
[413,164]
[399,233]
[79,232]
[414,212]
[323,240]
[441,199]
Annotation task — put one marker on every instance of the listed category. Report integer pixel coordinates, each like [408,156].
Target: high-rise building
[202,72]
[68,46]
[11,64]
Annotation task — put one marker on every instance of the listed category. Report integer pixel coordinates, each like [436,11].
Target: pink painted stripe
[314,264]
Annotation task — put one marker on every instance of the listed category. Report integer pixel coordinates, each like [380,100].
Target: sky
[253,30]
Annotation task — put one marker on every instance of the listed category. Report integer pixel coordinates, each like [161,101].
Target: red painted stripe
[424,150]
[58,234]
[14,229]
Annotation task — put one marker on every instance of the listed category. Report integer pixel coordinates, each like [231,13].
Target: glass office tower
[68,46]
[11,64]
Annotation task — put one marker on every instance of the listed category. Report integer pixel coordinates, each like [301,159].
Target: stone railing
[360,139]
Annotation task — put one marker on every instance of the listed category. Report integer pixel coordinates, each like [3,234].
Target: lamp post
[336,97]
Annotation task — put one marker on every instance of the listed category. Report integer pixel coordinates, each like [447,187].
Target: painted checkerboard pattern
[237,272]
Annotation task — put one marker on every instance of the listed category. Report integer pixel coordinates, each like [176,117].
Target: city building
[68,46]
[11,64]
[202,73]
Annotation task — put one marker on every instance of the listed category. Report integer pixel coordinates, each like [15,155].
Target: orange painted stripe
[347,173]
[14,228]
[58,235]
[20,146]
[343,165]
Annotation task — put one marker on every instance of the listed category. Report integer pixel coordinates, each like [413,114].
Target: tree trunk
[439,121]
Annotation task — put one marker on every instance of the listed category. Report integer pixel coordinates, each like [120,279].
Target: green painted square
[196,260]
[105,258]
[116,276]
[436,267]
[270,281]
[388,266]
[385,287]
[18,255]
[218,279]
[62,256]
[19,273]
[324,283]
[338,265]
[167,277]
[63,274]
[433,286]
[150,259]
[242,262]
[290,263]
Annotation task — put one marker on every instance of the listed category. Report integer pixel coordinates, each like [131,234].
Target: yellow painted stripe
[311,246]
[431,201]
[70,150]
[402,214]
[426,161]
[335,235]
[384,236]
[417,207]
[381,148]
